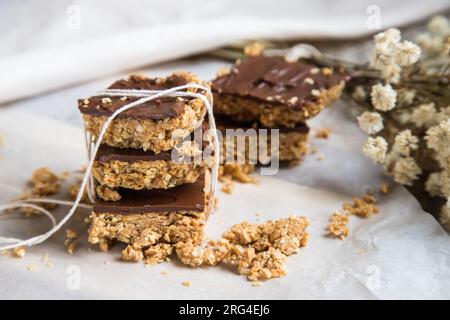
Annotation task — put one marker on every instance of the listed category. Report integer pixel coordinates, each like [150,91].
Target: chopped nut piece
[254,49]
[315,92]
[327,71]
[106,101]
[309,80]
[338,225]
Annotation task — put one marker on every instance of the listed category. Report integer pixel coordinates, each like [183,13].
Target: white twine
[92,149]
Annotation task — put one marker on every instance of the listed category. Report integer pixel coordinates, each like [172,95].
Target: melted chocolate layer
[158,109]
[187,197]
[272,79]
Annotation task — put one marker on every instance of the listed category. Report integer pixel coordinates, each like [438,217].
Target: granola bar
[156,125]
[275,92]
[293,142]
[145,218]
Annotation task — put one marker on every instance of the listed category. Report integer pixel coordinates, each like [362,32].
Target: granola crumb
[256,283]
[228,187]
[71,248]
[158,253]
[71,234]
[186,283]
[323,133]
[45,182]
[338,225]
[257,251]
[363,208]
[165,273]
[19,252]
[384,188]
[5,253]
[132,254]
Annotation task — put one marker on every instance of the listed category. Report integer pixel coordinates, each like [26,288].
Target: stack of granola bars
[145,196]
[270,93]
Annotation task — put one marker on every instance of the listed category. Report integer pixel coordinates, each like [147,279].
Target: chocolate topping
[272,79]
[162,108]
[223,122]
[106,153]
[187,197]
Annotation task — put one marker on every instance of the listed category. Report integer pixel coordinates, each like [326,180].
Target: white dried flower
[443,114]
[405,142]
[406,170]
[423,114]
[375,148]
[391,72]
[438,138]
[406,97]
[434,184]
[438,25]
[407,53]
[382,55]
[383,97]
[390,36]
[370,122]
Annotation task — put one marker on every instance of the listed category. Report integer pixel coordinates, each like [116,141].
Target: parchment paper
[400,253]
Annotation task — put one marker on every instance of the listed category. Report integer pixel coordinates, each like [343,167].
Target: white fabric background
[407,246]
[41,53]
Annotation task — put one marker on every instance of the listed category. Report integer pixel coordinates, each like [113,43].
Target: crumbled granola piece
[186,283]
[165,273]
[363,208]
[228,186]
[323,133]
[238,172]
[189,254]
[45,182]
[158,253]
[5,253]
[71,247]
[71,234]
[384,188]
[338,225]
[132,254]
[266,265]
[108,194]
[19,252]
[243,233]
[256,283]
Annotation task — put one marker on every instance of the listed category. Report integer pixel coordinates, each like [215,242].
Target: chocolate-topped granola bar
[156,125]
[274,92]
